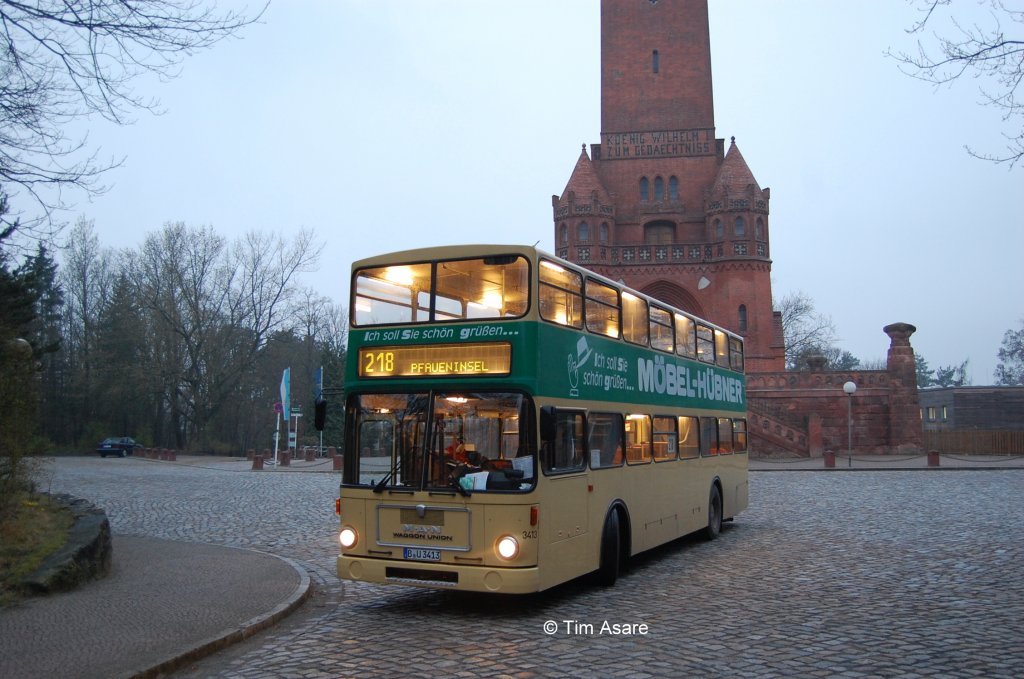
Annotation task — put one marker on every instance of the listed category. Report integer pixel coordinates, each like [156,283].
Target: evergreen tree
[1010,370]
[952,375]
[924,373]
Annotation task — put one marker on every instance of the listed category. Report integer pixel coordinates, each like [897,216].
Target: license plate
[420,554]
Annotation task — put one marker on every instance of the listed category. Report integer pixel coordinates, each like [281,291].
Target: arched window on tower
[759,229]
[655,61]
[741,227]
[743,317]
[645,189]
[659,189]
[584,232]
[719,230]
[563,233]
[673,189]
[603,232]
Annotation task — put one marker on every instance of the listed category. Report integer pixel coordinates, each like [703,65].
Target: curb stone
[85,554]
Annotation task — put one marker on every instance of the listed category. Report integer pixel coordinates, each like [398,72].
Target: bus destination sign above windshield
[436,360]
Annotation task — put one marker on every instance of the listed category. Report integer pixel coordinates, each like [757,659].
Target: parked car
[121,446]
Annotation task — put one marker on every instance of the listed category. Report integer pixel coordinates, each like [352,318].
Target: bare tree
[86,275]
[805,330]
[984,52]
[214,307]
[63,60]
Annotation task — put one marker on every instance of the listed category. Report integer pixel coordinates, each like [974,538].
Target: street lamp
[849,389]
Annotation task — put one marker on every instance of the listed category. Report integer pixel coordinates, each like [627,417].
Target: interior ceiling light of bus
[401,275]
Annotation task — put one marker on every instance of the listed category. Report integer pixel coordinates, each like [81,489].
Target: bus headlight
[507,547]
[347,537]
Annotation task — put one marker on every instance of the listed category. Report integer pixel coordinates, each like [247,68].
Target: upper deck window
[602,308]
[635,321]
[705,343]
[721,349]
[561,294]
[735,354]
[686,340]
[457,289]
[661,329]
[392,294]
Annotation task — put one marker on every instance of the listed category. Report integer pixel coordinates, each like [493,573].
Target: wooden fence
[975,441]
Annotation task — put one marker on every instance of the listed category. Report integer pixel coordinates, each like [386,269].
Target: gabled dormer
[584,215]
[736,210]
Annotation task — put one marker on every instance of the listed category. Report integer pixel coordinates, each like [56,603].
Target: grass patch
[33,528]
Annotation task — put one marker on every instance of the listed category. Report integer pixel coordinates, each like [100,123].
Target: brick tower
[660,203]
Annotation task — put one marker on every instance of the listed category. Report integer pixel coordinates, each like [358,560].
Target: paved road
[874,574]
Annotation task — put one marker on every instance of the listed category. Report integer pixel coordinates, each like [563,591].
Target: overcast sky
[387,125]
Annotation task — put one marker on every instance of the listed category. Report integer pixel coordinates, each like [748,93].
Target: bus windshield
[460,441]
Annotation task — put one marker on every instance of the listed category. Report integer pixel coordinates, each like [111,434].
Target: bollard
[830,459]
[933,458]
[266,454]
[309,454]
[337,462]
[286,459]
[250,454]
[257,462]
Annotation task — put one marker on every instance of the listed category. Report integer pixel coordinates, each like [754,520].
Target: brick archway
[674,295]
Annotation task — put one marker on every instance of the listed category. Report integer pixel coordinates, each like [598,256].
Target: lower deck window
[452,440]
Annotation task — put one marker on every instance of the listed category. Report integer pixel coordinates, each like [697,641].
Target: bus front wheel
[611,537]
[714,514]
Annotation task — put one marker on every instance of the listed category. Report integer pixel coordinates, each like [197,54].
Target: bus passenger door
[565,495]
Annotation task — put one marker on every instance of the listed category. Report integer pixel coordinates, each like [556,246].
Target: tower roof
[734,176]
[584,182]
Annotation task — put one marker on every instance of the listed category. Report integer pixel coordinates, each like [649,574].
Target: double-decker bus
[514,421]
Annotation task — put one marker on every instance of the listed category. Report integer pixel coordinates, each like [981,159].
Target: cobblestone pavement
[874,574]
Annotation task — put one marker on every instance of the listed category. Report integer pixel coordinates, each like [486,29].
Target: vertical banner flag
[286,393]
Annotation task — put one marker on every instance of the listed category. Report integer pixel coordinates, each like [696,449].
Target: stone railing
[770,434]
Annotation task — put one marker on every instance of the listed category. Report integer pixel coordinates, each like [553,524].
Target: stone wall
[884,408]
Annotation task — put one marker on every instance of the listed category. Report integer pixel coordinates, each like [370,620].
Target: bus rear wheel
[714,527]
[611,551]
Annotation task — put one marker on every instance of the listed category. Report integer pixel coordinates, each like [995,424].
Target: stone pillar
[815,441]
[904,406]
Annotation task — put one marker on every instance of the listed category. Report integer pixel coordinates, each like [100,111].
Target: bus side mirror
[547,423]
[320,414]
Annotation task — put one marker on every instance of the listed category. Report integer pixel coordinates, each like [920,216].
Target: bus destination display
[436,360]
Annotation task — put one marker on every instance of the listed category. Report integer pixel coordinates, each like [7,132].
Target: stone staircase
[773,434]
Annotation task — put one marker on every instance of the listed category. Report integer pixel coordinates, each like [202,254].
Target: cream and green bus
[514,421]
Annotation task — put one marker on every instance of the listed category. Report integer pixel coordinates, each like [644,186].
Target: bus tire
[714,527]
[611,550]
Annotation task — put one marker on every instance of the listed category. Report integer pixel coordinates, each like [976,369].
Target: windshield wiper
[379,486]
